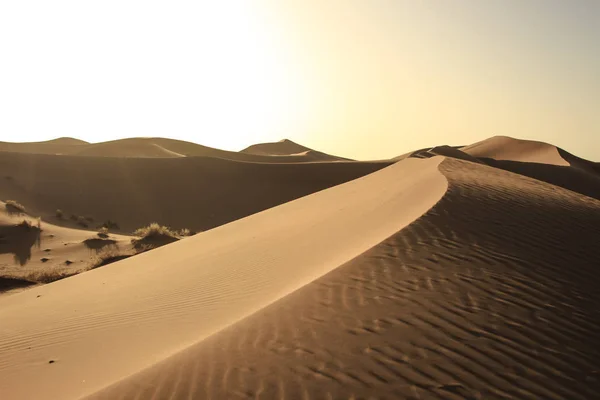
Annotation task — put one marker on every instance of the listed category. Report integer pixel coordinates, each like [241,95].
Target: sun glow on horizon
[209,72]
[360,79]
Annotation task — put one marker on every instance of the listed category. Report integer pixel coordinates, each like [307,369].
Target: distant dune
[537,160]
[169,148]
[288,148]
[198,193]
[467,272]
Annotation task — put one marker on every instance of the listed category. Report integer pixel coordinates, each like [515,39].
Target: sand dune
[541,161]
[288,148]
[478,299]
[167,148]
[55,146]
[507,148]
[537,160]
[198,193]
[106,324]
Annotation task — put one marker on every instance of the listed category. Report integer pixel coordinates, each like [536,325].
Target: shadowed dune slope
[492,294]
[198,193]
[81,334]
[569,177]
[288,148]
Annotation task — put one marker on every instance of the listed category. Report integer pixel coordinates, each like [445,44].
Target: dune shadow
[98,244]
[152,242]
[19,240]
[7,284]
[571,178]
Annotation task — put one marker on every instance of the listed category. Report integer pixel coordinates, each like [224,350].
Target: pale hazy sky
[363,79]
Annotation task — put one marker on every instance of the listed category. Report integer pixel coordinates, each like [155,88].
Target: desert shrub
[185,232]
[48,275]
[155,230]
[153,236]
[103,232]
[59,213]
[13,206]
[109,255]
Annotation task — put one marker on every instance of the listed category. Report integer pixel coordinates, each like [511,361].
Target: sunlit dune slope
[491,294]
[81,334]
[198,193]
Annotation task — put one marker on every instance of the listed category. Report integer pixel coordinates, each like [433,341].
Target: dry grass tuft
[14,207]
[109,255]
[155,230]
[103,232]
[186,232]
[153,236]
[48,275]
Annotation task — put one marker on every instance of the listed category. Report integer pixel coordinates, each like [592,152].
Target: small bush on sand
[103,232]
[185,232]
[48,275]
[109,255]
[155,230]
[153,236]
[14,207]
[59,213]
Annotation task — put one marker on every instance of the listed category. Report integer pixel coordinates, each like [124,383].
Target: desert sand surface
[454,273]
